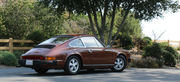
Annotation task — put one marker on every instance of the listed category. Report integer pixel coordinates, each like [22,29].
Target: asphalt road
[130,74]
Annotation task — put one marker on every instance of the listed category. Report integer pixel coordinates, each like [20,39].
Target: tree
[132,26]
[47,21]
[19,18]
[2,28]
[128,33]
[74,23]
[16,16]
[142,9]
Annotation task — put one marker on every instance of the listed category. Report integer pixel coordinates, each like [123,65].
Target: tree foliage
[21,17]
[77,24]
[132,26]
[142,9]
[16,16]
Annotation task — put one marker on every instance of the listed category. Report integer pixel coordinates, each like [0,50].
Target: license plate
[29,62]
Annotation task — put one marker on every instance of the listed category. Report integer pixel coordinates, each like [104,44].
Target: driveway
[130,74]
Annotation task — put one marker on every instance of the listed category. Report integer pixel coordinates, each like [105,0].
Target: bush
[163,53]
[18,53]
[170,56]
[142,43]
[147,62]
[125,41]
[7,58]
[147,41]
[36,36]
[156,51]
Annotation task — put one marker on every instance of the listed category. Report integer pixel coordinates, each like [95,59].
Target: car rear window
[56,40]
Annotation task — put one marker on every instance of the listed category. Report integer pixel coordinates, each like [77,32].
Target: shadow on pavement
[62,73]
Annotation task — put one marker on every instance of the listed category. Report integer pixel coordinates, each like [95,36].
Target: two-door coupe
[72,53]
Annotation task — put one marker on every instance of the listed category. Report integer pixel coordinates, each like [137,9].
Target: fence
[11,41]
[170,43]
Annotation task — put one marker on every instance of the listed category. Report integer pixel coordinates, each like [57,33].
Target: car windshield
[55,40]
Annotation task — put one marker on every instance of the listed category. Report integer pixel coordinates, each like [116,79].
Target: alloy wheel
[73,65]
[119,64]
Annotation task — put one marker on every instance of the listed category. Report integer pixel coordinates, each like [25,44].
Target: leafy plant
[18,53]
[7,58]
[170,56]
[125,41]
[156,51]
[163,53]
[36,36]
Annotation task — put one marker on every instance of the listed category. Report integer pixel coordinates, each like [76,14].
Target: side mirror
[108,46]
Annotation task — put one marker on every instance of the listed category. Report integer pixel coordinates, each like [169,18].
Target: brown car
[72,53]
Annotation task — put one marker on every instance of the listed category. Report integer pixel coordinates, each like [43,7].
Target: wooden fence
[11,47]
[170,42]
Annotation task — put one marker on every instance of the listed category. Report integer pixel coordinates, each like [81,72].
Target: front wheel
[72,65]
[119,64]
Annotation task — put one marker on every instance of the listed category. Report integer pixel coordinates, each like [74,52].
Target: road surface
[131,74]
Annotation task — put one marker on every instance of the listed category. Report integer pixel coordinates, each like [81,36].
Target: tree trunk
[103,21]
[121,25]
[92,25]
[97,26]
[112,25]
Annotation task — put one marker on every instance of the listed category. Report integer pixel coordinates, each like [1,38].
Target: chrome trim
[98,64]
[59,60]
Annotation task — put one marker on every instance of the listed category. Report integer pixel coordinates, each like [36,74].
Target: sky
[169,24]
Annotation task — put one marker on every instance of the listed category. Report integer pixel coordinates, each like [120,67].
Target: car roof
[73,35]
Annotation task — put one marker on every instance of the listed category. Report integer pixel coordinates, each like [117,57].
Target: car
[72,53]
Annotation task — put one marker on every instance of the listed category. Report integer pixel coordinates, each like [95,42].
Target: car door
[98,57]
[80,48]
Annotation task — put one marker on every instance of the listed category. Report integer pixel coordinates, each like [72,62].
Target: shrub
[156,51]
[142,43]
[36,36]
[147,62]
[18,53]
[7,58]
[125,41]
[170,56]
[163,53]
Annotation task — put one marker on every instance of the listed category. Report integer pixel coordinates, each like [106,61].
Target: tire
[72,65]
[119,64]
[41,70]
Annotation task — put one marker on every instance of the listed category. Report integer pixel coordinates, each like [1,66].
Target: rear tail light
[38,58]
[33,57]
[50,58]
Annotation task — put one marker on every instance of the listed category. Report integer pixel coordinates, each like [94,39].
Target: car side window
[89,42]
[76,43]
[98,43]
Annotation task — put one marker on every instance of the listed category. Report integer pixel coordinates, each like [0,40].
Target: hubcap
[73,65]
[119,64]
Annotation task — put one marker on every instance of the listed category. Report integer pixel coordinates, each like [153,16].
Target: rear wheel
[119,64]
[41,70]
[72,65]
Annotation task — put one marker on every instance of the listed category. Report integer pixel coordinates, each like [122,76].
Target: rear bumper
[41,64]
